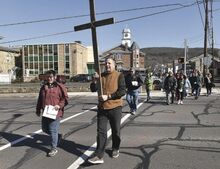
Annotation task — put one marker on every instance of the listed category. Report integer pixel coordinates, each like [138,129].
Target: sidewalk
[154,93]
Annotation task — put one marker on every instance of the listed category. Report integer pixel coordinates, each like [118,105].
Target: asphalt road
[158,137]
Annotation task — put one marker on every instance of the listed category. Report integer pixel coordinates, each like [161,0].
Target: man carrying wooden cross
[111,88]
[109,109]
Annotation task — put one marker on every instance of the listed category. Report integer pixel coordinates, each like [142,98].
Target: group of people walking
[178,86]
[53,98]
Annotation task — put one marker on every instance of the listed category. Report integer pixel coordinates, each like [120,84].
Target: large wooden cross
[92,25]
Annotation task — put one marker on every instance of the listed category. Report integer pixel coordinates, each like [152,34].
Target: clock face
[126,35]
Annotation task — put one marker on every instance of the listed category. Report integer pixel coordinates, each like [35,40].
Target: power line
[86,15]
[38,37]
[71,31]
[200,13]
[156,13]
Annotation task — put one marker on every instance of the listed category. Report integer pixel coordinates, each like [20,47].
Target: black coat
[170,83]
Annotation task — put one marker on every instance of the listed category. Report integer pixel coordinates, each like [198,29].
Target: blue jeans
[51,127]
[197,88]
[170,99]
[132,99]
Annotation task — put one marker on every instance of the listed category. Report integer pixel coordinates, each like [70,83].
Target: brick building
[66,59]
[127,54]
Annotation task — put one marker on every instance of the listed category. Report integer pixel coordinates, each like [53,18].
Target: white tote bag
[50,112]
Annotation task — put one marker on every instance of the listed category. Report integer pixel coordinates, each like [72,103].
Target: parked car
[81,78]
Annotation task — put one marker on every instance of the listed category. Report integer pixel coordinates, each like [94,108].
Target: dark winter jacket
[130,78]
[170,83]
[52,94]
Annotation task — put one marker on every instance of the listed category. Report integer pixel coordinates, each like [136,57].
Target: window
[40,58]
[55,58]
[66,48]
[25,51]
[36,65]
[55,49]
[45,50]
[26,65]
[56,66]
[67,65]
[35,49]
[45,58]
[36,58]
[40,51]
[50,58]
[31,65]
[30,50]
[67,58]
[26,58]
[31,58]
[50,49]
[45,65]
[50,65]
[41,67]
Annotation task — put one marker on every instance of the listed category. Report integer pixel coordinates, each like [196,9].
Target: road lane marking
[19,140]
[8,145]
[80,160]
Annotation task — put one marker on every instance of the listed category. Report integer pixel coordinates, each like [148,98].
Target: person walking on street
[187,86]
[163,79]
[133,84]
[200,81]
[170,87]
[109,109]
[52,94]
[196,84]
[180,88]
[209,83]
[148,85]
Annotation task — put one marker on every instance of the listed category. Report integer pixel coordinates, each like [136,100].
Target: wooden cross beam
[92,25]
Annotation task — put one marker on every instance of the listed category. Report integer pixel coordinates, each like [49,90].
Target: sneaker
[178,102]
[96,160]
[115,153]
[52,152]
[133,112]
[181,102]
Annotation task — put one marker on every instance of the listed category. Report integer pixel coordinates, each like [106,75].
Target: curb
[72,94]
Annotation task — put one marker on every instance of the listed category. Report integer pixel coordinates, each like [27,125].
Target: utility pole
[205,37]
[92,25]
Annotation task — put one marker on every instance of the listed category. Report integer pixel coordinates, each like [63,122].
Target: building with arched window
[127,54]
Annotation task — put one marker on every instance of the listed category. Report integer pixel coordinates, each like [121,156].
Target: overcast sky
[158,23]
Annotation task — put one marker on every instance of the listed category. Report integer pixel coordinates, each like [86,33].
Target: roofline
[56,44]
[7,49]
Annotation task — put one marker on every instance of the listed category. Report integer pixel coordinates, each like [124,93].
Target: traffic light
[181,60]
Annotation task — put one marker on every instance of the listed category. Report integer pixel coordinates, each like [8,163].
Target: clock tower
[126,37]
